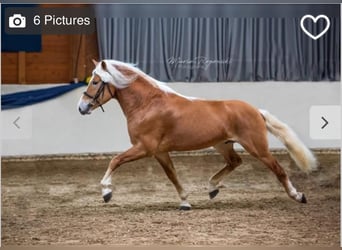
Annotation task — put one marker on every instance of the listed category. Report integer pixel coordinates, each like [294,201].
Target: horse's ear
[104,65]
[95,62]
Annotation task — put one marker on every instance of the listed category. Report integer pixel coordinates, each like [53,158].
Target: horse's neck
[138,96]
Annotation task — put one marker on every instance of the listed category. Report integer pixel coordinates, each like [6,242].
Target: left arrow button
[16,122]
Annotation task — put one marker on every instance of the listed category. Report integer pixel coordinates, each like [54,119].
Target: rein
[100,92]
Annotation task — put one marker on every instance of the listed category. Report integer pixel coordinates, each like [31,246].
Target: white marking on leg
[215,186]
[185,204]
[106,191]
[106,182]
[293,192]
[212,187]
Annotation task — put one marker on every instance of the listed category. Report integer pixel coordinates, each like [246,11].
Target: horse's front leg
[165,161]
[134,153]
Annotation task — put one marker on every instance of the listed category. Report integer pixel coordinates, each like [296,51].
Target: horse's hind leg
[259,149]
[166,162]
[274,165]
[232,161]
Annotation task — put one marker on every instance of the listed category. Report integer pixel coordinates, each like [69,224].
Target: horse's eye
[94,83]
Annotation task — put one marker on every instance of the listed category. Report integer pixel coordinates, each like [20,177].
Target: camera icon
[17,21]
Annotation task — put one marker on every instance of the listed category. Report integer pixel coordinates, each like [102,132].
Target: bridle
[100,92]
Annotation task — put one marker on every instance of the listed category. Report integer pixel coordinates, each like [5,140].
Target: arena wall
[56,127]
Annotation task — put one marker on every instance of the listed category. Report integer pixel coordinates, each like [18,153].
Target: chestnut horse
[160,120]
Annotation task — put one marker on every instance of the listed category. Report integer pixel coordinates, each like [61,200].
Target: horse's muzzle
[84,109]
[83,112]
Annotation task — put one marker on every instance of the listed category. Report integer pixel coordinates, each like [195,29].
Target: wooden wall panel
[9,67]
[84,48]
[57,63]
[52,64]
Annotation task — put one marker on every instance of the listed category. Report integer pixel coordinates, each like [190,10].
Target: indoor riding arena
[54,155]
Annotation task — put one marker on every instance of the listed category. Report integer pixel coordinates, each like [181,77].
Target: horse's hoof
[213,193]
[303,200]
[107,197]
[185,206]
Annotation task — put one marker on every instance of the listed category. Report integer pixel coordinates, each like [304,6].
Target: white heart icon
[315,19]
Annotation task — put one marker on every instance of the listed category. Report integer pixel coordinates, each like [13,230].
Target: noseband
[100,92]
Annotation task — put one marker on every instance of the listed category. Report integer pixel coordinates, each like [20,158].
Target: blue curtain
[21,99]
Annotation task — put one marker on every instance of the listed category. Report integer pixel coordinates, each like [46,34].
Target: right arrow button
[325,122]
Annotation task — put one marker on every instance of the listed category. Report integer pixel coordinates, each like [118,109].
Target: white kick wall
[56,127]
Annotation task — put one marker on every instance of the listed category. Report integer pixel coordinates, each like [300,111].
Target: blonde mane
[114,76]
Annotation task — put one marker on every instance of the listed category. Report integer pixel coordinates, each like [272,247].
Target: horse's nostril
[81,111]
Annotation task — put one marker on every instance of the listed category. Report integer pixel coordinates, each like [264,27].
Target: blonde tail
[303,157]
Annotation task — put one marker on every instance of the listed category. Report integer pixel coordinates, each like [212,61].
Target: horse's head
[99,91]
